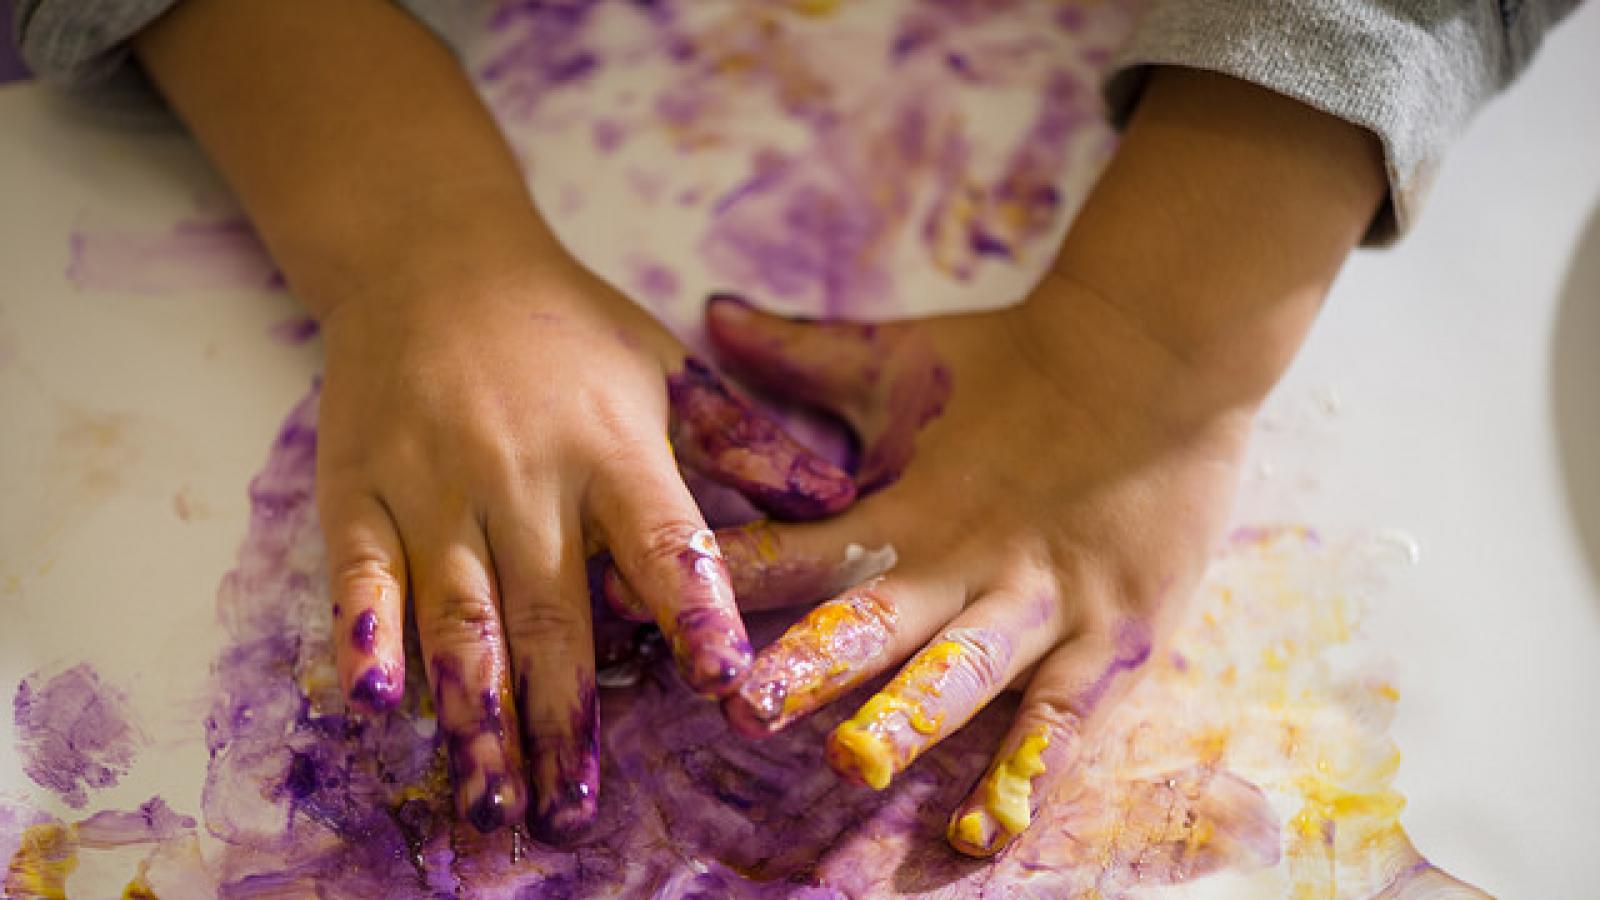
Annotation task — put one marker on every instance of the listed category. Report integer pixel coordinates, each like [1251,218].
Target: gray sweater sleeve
[1412,72]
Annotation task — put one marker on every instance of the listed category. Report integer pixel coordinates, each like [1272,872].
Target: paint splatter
[75,733]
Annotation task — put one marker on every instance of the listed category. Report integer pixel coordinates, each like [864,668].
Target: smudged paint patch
[75,733]
[194,255]
[1192,773]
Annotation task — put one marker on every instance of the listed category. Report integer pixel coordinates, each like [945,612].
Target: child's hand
[1058,514]
[477,440]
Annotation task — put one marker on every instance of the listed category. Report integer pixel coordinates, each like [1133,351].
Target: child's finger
[723,436]
[458,621]
[842,643]
[367,575]
[544,590]
[662,548]
[779,566]
[885,381]
[1045,738]
[971,661]
[828,365]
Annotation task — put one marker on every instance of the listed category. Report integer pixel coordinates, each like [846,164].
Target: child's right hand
[480,435]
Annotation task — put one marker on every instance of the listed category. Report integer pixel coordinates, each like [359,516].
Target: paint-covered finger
[458,621]
[948,682]
[841,644]
[1079,679]
[775,566]
[830,365]
[672,563]
[723,436]
[545,599]
[366,567]
[886,381]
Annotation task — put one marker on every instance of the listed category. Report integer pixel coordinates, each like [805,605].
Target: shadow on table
[1575,390]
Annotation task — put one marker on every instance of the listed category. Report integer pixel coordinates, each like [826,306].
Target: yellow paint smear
[863,739]
[47,854]
[1010,787]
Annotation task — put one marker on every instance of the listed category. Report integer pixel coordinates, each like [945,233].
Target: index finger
[662,547]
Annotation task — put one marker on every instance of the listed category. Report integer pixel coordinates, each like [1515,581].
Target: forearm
[353,138]
[1220,224]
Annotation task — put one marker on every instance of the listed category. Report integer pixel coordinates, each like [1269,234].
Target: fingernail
[730,305]
[377,690]
[492,808]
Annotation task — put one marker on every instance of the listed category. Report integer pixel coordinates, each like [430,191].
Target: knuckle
[1060,714]
[535,618]
[661,544]
[461,607]
[362,571]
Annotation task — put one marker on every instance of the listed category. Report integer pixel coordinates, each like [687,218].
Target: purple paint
[75,733]
[195,255]
[607,135]
[721,435]
[153,821]
[306,800]
[1132,650]
[296,331]
[364,631]
[377,691]
[566,773]
[655,283]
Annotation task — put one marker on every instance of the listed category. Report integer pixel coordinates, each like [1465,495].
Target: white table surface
[1451,392]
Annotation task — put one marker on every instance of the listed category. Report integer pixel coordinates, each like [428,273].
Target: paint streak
[75,733]
[937,692]
[194,255]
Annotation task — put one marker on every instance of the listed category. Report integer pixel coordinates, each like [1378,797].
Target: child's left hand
[1067,490]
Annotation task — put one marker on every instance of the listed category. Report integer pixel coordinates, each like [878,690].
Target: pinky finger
[366,565]
[1046,737]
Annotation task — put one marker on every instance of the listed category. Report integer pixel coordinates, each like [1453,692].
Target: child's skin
[493,413]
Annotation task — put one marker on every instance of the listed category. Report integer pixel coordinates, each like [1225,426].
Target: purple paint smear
[195,255]
[329,802]
[74,733]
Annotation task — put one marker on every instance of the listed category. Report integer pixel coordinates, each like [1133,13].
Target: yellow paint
[47,854]
[867,753]
[863,741]
[139,888]
[970,830]
[1010,785]
[813,7]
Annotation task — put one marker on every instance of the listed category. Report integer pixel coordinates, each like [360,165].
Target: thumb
[883,380]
